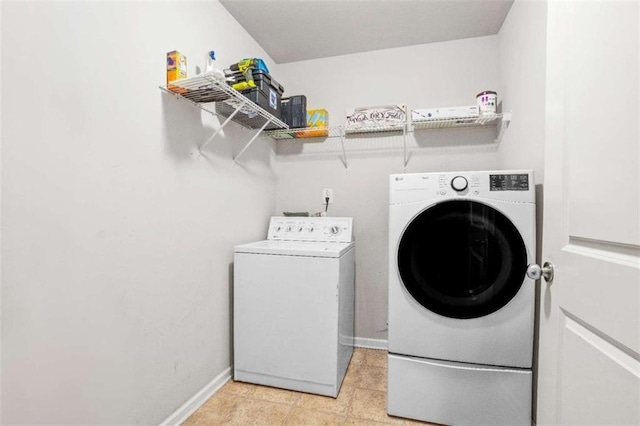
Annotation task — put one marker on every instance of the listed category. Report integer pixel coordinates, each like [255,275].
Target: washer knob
[459,183]
[334,230]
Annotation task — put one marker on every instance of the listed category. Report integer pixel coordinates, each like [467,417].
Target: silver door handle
[535,271]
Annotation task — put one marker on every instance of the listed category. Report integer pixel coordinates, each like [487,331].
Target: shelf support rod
[504,123]
[251,141]
[344,153]
[219,129]
[404,143]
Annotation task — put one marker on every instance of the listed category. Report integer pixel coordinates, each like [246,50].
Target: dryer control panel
[326,229]
[506,185]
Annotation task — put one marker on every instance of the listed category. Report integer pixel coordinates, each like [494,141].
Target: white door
[589,356]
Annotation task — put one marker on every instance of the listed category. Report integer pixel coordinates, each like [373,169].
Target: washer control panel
[467,184]
[508,185]
[336,229]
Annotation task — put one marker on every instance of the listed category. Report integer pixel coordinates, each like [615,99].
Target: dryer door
[462,259]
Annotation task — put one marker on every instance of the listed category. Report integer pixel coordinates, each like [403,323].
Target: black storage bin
[294,111]
[267,94]
[272,106]
[264,82]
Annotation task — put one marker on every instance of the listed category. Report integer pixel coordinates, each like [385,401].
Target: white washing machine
[461,308]
[293,305]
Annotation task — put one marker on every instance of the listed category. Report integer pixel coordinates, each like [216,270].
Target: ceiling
[297,30]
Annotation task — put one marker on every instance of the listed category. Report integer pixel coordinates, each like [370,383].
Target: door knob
[535,271]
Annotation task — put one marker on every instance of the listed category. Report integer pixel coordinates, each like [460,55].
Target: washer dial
[459,183]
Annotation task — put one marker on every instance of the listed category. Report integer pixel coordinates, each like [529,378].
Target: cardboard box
[176,70]
[468,111]
[386,115]
[318,118]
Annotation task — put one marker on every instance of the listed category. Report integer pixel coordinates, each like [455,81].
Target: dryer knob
[459,183]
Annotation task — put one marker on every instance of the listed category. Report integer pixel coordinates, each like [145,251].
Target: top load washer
[293,305]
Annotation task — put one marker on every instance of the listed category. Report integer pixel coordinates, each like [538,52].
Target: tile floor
[362,401]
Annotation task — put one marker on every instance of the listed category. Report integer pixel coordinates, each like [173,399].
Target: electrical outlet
[327,193]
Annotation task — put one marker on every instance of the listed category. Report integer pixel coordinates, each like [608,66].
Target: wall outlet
[327,193]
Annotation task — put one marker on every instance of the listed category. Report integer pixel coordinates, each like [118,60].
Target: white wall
[439,74]
[522,53]
[117,235]
[1,97]
[523,56]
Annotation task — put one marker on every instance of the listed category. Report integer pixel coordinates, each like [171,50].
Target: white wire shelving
[308,134]
[499,121]
[332,132]
[213,95]
[444,123]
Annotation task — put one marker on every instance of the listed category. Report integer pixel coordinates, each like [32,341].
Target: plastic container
[269,101]
[264,82]
[210,61]
[487,102]
[210,66]
[267,94]
[294,111]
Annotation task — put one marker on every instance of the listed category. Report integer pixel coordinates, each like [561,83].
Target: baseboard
[196,401]
[362,342]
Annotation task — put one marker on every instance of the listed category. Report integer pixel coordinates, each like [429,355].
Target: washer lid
[296,248]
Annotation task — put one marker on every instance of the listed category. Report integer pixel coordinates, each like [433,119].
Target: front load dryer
[461,309]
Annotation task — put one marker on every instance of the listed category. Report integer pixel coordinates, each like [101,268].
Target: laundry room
[130,214]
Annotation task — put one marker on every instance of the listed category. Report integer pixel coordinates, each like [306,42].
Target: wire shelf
[498,121]
[501,120]
[374,128]
[215,96]
[455,122]
[332,132]
[309,134]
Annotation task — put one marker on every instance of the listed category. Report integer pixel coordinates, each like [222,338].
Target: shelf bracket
[504,123]
[251,141]
[404,143]
[344,153]
[224,123]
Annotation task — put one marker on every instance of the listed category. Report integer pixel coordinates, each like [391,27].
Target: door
[589,354]
[462,259]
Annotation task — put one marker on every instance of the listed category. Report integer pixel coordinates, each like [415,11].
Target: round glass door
[462,259]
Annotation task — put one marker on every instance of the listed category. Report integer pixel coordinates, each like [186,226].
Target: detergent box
[316,118]
[176,69]
[445,113]
[364,118]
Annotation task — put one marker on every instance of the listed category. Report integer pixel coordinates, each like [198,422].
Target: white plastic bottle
[210,66]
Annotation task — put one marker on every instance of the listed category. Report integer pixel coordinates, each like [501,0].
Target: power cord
[326,206]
